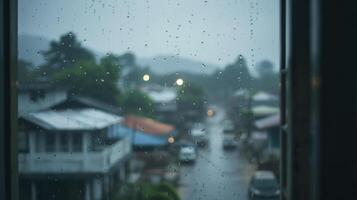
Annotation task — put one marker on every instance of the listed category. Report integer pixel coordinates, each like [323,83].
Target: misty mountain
[30,48]
[166,64]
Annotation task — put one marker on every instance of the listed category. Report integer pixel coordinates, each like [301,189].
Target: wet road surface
[216,174]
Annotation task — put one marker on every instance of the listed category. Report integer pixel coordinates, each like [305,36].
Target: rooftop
[264,175]
[264,96]
[160,94]
[268,122]
[72,119]
[147,125]
[264,110]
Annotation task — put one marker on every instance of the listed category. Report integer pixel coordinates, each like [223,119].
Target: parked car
[199,136]
[228,126]
[264,185]
[187,154]
[229,143]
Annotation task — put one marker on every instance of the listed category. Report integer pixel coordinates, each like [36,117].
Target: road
[217,174]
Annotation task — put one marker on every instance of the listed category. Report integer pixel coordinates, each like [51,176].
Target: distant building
[165,102]
[151,141]
[264,98]
[271,125]
[145,133]
[263,111]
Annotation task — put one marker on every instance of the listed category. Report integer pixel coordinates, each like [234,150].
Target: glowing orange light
[171,139]
[210,112]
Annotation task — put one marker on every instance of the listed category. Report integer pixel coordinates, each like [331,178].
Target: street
[216,174]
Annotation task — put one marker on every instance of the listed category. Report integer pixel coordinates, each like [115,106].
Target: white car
[187,154]
[199,136]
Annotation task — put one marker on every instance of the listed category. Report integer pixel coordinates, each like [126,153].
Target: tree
[265,68]
[224,82]
[136,102]
[147,191]
[191,102]
[111,65]
[65,53]
[268,79]
[89,79]
[24,73]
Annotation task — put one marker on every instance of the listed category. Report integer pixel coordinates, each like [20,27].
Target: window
[64,142]
[179,97]
[77,143]
[23,142]
[49,142]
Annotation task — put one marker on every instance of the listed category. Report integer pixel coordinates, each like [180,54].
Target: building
[152,143]
[271,125]
[262,111]
[145,133]
[264,98]
[67,154]
[164,99]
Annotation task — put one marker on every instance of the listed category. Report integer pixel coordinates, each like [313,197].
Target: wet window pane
[148,100]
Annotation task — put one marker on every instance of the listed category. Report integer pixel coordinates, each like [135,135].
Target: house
[145,133]
[67,154]
[85,102]
[262,111]
[264,98]
[271,125]
[150,141]
[164,99]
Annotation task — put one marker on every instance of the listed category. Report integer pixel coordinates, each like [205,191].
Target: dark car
[229,144]
[264,186]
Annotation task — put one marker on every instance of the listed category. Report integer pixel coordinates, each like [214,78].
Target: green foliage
[146,191]
[66,52]
[111,65]
[169,190]
[191,101]
[24,72]
[89,79]
[234,76]
[136,102]
[268,80]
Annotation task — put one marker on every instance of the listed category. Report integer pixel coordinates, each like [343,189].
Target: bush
[146,191]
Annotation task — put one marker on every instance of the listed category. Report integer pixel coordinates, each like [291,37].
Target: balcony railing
[76,162]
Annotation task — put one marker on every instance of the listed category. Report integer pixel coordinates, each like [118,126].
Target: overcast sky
[212,31]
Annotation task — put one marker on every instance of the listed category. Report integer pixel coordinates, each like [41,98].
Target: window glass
[64,142]
[77,142]
[147,99]
[49,142]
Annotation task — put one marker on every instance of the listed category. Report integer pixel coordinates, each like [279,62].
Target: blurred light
[171,139]
[210,112]
[179,82]
[146,77]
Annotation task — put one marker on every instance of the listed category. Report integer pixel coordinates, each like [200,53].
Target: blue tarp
[139,138]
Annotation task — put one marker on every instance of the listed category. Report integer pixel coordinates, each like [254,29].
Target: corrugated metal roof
[264,96]
[268,122]
[148,125]
[160,94]
[264,110]
[70,119]
[139,138]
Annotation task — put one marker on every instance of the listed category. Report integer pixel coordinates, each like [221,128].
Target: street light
[179,82]
[146,77]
